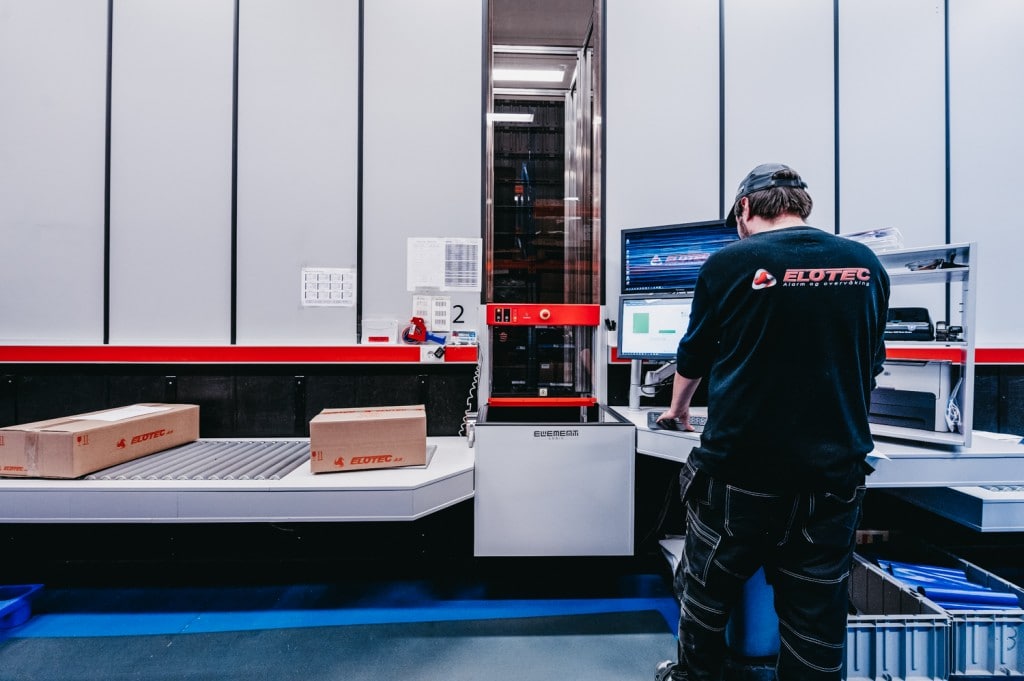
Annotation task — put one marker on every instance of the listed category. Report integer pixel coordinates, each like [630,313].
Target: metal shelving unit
[947,265]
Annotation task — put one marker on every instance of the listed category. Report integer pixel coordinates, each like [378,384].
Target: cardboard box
[361,438]
[74,446]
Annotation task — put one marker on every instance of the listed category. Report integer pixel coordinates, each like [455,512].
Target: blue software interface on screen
[666,259]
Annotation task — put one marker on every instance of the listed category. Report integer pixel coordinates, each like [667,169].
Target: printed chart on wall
[444,264]
[328,287]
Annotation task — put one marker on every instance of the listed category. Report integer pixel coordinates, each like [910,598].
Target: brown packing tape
[32,453]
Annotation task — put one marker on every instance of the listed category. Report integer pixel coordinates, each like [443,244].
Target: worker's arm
[683,389]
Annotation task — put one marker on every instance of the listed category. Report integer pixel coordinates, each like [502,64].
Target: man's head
[770,191]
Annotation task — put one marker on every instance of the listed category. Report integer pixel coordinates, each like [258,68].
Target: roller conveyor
[214,460]
[243,480]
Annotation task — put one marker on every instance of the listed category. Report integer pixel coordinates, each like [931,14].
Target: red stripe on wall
[999,355]
[233,354]
[237,354]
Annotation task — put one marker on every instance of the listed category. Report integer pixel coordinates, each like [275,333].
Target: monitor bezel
[620,329]
[680,227]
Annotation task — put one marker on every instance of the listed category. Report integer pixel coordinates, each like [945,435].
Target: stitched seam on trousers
[802,578]
[694,618]
[808,664]
[789,523]
[728,571]
[804,637]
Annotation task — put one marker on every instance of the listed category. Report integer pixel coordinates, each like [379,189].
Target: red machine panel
[501,314]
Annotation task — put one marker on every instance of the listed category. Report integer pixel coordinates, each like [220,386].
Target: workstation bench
[981,486]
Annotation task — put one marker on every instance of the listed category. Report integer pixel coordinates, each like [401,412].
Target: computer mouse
[667,424]
[654,424]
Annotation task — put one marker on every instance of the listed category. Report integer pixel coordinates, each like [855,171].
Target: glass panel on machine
[546,361]
[529,238]
[543,166]
[542,237]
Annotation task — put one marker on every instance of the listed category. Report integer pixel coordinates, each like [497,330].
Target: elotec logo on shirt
[827,276]
[814,276]
[762,279]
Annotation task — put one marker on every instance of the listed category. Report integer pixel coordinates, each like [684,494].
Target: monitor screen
[666,259]
[650,326]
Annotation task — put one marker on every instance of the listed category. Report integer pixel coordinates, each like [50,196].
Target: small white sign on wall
[328,287]
[436,311]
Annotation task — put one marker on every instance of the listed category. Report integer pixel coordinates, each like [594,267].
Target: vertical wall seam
[945,38]
[835,109]
[484,106]
[948,155]
[721,110]
[603,222]
[359,172]
[234,179]
[106,174]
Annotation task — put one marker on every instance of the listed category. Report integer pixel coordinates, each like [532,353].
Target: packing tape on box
[32,454]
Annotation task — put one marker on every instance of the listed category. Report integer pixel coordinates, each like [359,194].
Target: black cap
[763,177]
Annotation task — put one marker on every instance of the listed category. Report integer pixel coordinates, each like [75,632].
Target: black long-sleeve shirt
[787,329]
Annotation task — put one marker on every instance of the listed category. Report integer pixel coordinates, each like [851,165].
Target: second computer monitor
[650,326]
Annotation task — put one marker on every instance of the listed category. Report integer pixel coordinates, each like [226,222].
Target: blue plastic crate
[16,604]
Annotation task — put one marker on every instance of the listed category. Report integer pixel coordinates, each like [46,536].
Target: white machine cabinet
[560,487]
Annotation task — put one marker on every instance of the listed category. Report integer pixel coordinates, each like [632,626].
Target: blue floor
[149,611]
[409,629]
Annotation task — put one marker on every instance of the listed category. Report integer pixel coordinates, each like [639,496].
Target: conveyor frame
[397,494]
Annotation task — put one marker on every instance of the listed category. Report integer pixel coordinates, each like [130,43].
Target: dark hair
[772,202]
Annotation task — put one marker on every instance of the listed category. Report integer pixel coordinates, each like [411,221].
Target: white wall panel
[662,119]
[170,223]
[298,113]
[779,94]
[892,127]
[53,56]
[892,120]
[422,147]
[986,63]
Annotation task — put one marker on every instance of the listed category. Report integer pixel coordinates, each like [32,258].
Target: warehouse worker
[787,328]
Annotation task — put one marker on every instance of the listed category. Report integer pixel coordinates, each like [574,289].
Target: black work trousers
[804,541]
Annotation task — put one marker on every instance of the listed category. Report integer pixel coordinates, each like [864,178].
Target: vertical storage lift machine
[554,466]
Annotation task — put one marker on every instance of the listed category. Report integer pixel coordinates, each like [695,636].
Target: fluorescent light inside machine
[510,118]
[530,75]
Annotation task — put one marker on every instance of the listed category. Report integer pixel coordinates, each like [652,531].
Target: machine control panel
[541,314]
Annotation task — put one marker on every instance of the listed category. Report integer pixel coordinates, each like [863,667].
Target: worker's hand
[671,417]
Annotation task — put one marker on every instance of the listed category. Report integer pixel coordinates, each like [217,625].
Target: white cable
[469,401]
[953,421]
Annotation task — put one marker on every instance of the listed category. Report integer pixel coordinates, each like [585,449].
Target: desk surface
[990,460]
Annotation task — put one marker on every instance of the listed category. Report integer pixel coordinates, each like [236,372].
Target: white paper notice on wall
[328,287]
[444,264]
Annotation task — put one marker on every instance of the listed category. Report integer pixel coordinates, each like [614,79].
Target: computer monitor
[650,327]
[666,259]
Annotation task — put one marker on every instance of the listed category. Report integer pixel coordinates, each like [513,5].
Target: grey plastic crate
[896,634]
[984,642]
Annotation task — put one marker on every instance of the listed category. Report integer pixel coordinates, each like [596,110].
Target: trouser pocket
[833,518]
[687,474]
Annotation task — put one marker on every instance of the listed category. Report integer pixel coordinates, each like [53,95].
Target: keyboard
[697,421]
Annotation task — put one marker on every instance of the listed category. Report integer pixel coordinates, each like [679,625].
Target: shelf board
[953,352]
[929,276]
[918,435]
